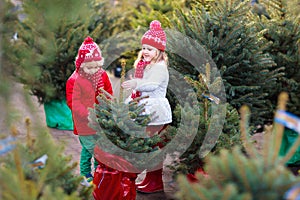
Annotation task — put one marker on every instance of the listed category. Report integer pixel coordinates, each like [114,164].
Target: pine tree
[8,18]
[283,32]
[236,175]
[121,127]
[207,4]
[218,126]
[236,46]
[51,178]
[150,10]
[22,177]
[49,38]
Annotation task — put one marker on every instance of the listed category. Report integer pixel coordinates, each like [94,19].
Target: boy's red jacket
[81,95]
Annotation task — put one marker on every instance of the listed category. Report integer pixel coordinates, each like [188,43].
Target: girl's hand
[130,84]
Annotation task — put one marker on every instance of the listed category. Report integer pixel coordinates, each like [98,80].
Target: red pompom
[88,40]
[155,25]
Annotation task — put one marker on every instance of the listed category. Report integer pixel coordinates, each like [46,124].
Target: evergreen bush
[49,37]
[237,47]
[247,175]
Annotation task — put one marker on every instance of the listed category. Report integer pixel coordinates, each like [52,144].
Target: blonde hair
[161,56]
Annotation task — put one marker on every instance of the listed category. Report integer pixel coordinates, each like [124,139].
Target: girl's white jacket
[154,84]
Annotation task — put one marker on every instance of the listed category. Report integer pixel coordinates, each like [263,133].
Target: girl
[82,88]
[151,79]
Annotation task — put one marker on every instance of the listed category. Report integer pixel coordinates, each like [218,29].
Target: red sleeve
[69,89]
[107,83]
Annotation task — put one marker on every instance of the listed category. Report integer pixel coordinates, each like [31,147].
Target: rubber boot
[144,181]
[154,183]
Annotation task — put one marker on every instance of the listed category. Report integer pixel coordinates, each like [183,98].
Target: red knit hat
[88,51]
[156,36]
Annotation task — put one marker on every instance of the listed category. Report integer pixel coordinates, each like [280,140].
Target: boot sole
[149,192]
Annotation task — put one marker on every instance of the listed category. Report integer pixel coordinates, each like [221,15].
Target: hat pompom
[155,25]
[88,40]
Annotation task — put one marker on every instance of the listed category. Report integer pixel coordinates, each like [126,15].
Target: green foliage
[123,124]
[49,38]
[237,47]
[19,178]
[281,8]
[283,33]
[150,10]
[293,7]
[122,127]
[212,135]
[8,18]
[55,180]
[231,133]
[241,174]
[285,51]
[207,4]
[234,176]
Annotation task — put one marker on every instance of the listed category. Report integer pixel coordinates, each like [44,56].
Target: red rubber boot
[153,184]
[144,181]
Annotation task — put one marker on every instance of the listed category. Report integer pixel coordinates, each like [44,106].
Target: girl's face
[90,67]
[149,52]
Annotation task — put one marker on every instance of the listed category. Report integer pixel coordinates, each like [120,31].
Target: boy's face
[90,67]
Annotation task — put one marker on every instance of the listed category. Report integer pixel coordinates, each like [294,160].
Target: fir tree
[207,4]
[8,18]
[236,47]
[21,176]
[49,38]
[234,175]
[121,127]
[283,32]
[218,126]
[50,178]
[152,9]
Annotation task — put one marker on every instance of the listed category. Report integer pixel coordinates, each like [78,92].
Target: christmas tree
[152,9]
[49,38]
[236,47]
[36,168]
[218,126]
[206,3]
[236,175]
[33,166]
[8,18]
[283,33]
[121,131]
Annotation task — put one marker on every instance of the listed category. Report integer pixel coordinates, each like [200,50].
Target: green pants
[87,152]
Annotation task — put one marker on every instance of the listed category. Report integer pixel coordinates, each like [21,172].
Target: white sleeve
[157,74]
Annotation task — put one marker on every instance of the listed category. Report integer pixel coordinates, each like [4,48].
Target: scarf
[95,78]
[139,73]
